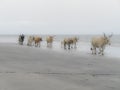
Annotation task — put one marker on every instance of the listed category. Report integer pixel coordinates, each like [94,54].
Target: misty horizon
[59,17]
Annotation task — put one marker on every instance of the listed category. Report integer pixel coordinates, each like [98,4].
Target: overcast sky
[59,16]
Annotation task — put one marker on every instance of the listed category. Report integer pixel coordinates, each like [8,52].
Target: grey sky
[59,16]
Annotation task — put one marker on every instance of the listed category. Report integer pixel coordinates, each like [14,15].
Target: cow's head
[107,39]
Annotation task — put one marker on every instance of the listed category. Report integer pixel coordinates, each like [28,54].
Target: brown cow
[37,41]
[69,42]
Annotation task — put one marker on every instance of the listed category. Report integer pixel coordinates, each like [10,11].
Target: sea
[83,45]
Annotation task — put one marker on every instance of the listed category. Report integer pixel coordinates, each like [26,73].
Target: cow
[21,39]
[100,43]
[49,41]
[30,41]
[67,42]
[74,42]
[37,41]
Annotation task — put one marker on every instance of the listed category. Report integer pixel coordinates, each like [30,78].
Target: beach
[32,68]
[59,45]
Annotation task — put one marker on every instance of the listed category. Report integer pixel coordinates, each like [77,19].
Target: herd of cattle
[99,42]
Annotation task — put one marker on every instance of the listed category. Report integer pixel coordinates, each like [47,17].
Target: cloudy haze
[59,16]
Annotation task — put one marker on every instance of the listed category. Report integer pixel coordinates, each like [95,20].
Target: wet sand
[29,68]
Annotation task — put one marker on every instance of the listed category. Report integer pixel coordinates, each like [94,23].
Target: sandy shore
[28,68]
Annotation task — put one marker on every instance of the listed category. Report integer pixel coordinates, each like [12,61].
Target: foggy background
[59,16]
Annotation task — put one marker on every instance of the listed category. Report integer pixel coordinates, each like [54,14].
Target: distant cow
[37,41]
[74,42]
[21,39]
[69,43]
[49,41]
[100,43]
[30,40]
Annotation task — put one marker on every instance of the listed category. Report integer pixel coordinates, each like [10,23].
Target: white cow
[49,41]
[30,41]
[100,43]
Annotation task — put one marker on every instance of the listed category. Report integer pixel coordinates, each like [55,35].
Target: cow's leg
[64,45]
[69,46]
[39,44]
[21,43]
[103,50]
[31,44]
[92,49]
[35,44]
[75,46]
[51,45]
[100,50]
[47,44]
[95,52]
[27,44]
